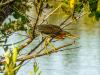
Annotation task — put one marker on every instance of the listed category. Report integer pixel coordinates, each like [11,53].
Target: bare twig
[40,10]
[30,57]
[65,20]
[50,13]
[42,54]
[29,40]
[72,20]
[36,47]
[7,2]
[14,43]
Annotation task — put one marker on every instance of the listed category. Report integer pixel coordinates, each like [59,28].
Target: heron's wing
[49,29]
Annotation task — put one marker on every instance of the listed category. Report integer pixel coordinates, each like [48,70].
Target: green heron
[53,31]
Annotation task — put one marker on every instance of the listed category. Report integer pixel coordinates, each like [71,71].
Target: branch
[36,47]
[7,2]
[65,20]
[42,54]
[41,5]
[44,47]
[14,43]
[51,13]
[25,44]
[72,20]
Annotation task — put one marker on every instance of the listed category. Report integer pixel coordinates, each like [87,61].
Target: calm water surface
[81,61]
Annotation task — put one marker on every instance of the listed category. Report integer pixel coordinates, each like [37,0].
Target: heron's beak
[72,36]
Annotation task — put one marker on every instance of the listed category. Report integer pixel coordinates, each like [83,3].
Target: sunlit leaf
[39,73]
[72,3]
[17,67]
[7,57]
[36,68]
[30,73]
[15,54]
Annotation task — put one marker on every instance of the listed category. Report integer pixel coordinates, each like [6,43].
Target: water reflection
[59,64]
[89,53]
[82,61]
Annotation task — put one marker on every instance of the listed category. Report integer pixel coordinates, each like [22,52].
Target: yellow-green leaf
[17,67]
[71,3]
[15,54]
[7,56]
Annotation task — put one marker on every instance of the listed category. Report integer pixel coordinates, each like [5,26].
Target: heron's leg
[44,43]
[45,46]
[54,48]
[48,41]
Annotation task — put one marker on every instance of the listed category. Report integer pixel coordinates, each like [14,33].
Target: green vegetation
[26,15]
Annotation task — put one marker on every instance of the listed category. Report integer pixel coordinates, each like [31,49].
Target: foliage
[10,65]
[42,11]
[36,70]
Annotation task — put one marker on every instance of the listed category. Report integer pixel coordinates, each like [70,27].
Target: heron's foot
[55,49]
[47,51]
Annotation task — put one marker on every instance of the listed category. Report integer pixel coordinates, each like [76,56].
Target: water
[88,54]
[81,61]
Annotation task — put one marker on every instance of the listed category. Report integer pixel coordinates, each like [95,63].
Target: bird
[53,31]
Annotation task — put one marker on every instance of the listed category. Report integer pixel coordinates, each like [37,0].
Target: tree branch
[40,10]
[50,14]
[7,2]
[42,54]
[14,43]
[65,20]
[36,47]
[72,20]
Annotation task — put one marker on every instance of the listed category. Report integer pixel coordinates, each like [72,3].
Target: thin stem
[36,47]
[42,54]
[7,2]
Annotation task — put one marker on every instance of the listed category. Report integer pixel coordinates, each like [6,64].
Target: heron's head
[69,35]
[65,34]
[61,35]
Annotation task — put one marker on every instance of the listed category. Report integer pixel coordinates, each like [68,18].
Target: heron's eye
[56,33]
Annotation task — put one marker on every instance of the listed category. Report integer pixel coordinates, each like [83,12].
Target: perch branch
[36,46]
[7,2]
[42,54]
